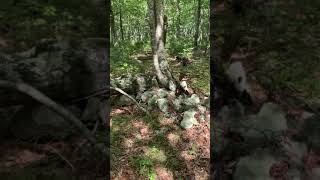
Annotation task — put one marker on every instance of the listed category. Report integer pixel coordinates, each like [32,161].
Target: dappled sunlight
[201,136]
[166,121]
[200,173]
[164,173]
[138,124]
[146,133]
[117,111]
[155,154]
[173,139]
[158,147]
[128,143]
[187,155]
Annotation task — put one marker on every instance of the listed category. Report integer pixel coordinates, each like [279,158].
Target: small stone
[163,105]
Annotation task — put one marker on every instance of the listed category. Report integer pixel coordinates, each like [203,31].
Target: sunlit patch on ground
[187,155]
[155,154]
[163,173]
[173,139]
[166,122]
[156,147]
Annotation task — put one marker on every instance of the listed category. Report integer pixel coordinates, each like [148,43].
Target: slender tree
[121,23]
[112,24]
[165,28]
[197,27]
[178,23]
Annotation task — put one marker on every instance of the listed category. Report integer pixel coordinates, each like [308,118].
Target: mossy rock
[188,119]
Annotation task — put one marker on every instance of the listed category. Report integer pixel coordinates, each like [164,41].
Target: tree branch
[43,99]
[130,97]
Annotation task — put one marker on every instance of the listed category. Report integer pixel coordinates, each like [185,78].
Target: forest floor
[148,147]
[23,25]
[63,160]
[70,158]
[279,48]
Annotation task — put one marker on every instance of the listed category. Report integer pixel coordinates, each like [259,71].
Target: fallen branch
[43,99]
[130,97]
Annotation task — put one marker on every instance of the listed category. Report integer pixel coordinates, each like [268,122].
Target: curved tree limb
[43,99]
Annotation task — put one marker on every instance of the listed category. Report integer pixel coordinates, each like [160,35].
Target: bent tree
[157,25]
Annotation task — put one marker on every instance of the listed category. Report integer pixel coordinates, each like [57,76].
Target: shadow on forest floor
[64,159]
[143,147]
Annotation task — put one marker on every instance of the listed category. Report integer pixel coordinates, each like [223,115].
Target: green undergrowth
[122,63]
[198,72]
[29,21]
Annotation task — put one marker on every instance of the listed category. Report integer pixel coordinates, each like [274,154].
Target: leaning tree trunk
[156,15]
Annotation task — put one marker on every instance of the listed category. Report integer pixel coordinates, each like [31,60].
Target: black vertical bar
[108,9]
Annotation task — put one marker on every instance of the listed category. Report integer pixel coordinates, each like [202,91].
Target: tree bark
[121,24]
[197,27]
[178,23]
[156,17]
[113,30]
[165,28]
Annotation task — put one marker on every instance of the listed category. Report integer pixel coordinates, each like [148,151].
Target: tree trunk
[178,33]
[156,15]
[165,28]
[152,25]
[113,29]
[197,27]
[121,24]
